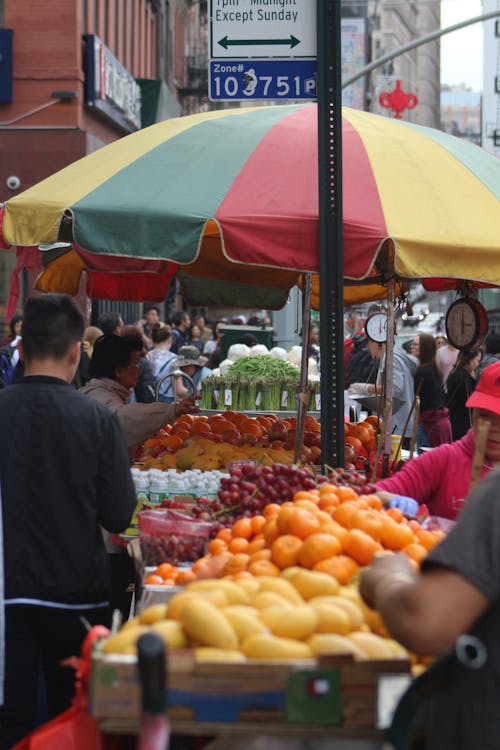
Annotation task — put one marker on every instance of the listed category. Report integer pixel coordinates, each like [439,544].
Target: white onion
[258,349]
[237,351]
[278,352]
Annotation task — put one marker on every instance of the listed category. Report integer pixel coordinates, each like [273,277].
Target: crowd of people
[81,402]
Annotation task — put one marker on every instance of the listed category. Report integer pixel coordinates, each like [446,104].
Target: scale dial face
[462,324]
[376,327]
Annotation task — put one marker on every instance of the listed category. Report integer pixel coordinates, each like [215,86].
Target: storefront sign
[109,87]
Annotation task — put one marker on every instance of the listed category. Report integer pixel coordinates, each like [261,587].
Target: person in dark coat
[459,386]
[144,391]
[434,426]
[361,367]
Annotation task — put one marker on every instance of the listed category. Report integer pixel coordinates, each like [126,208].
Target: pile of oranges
[232,429]
[329,529]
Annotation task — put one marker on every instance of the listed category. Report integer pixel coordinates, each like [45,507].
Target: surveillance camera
[13,182]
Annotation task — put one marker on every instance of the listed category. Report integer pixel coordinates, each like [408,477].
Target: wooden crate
[332,692]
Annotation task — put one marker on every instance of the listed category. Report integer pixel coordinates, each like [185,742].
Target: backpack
[7,367]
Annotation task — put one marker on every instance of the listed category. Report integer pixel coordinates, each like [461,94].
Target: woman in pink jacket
[441,477]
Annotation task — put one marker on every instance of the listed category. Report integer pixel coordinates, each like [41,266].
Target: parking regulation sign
[262,49]
[240,80]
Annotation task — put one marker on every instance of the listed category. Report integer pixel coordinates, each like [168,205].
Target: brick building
[77,74]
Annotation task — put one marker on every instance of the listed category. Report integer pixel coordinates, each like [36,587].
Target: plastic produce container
[169,536]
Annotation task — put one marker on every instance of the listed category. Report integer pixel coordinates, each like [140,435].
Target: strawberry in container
[167,535]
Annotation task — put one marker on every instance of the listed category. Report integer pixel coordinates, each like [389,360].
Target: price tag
[258,398]
[284,399]
[216,395]
[390,688]
[228,396]
[317,399]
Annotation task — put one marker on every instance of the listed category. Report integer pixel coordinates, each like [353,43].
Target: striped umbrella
[223,195]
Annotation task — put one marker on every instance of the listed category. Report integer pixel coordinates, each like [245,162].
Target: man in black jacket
[64,473]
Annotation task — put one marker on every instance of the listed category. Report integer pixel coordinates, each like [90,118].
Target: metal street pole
[330,234]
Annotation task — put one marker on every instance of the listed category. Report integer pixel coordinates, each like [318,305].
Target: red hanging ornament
[398,100]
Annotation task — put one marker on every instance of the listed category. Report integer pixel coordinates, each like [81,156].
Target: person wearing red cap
[440,478]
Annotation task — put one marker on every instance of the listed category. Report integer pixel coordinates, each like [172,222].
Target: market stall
[236,190]
[165,197]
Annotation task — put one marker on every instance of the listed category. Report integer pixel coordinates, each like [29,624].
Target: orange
[341,567]
[368,426]
[417,552]
[323,517]
[361,546]
[262,554]
[307,504]
[396,536]
[328,500]
[303,523]
[185,576]
[362,433]
[345,513]
[256,544]
[242,527]
[395,513]
[270,531]
[217,546]
[236,564]
[165,570]
[425,538]
[326,488]
[284,516]
[336,529]
[354,441]
[285,550]
[271,510]
[224,534]
[368,521]
[346,493]
[311,495]
[238,544]
[258,523]
[200,428]
[263,568]
[154,579]
[318,547]
[373,502]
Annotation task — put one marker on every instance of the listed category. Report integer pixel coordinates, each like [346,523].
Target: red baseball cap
[487,392]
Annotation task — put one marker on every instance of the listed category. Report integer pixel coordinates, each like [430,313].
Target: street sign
[262,28]
[240,80]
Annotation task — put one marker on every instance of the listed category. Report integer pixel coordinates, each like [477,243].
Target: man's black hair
[248,339]
[109,321]
[111,351]
[151,307]
[179,317]
[52,323]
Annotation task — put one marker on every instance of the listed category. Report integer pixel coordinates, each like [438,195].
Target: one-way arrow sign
[262,29]
[291,42]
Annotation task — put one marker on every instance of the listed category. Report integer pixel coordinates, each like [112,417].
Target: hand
[187,406]
[408,505]
[384,567]
[359,389]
